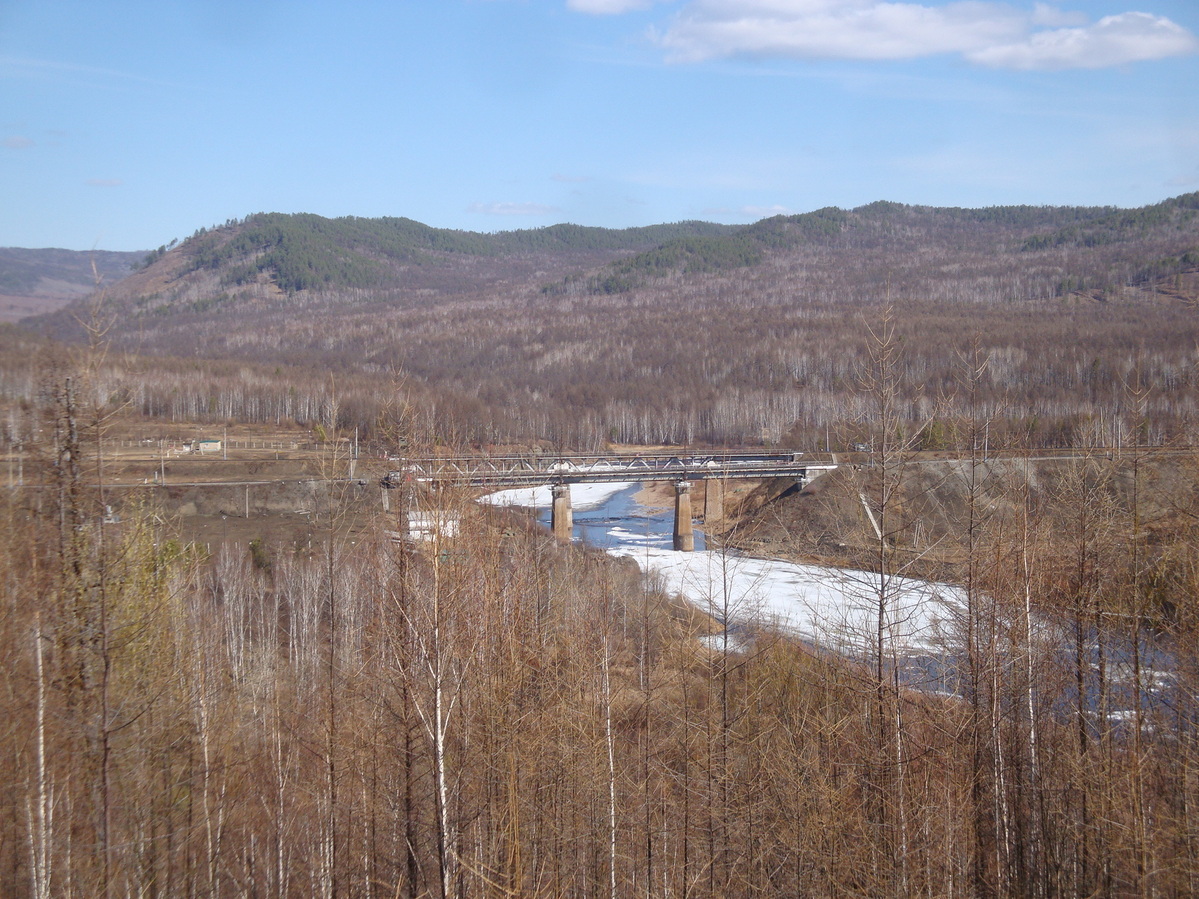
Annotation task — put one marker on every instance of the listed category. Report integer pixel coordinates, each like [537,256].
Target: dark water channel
[621,521]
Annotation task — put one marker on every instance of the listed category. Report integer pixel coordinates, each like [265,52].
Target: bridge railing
[521,471]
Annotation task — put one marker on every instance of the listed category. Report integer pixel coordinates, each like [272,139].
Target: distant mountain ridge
[270,258]
[36,281]
[1071,225]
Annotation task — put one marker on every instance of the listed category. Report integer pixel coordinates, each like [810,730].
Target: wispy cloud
[752,213]
[569,179]
[761,212]
[53,70]
[608,7]
[997,35]
[104,182]
[511,209]
[17,142]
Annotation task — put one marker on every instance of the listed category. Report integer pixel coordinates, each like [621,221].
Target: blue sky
[126,124]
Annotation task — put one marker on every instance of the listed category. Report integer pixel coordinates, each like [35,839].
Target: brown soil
[655,495]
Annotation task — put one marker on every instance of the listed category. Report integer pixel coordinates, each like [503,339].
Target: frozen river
[831,607]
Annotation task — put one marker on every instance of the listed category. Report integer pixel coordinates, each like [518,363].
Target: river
[830,607]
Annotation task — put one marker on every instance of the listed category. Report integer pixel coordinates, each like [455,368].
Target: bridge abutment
[684,536]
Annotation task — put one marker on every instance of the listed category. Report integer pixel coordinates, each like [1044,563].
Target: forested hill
[304,252]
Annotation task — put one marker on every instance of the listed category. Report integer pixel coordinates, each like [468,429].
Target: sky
[125,125]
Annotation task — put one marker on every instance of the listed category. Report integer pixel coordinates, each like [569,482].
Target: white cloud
[16,142]
[853,29]
[511,209]
[1052,17]
[1113,40]
[104,182]
[992,34]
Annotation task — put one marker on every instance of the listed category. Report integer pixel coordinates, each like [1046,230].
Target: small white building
[206,446]
[426,526]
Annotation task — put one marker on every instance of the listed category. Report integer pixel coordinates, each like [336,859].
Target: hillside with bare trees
[490,713]
[677,335]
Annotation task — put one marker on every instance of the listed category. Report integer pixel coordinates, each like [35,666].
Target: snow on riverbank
[582,496]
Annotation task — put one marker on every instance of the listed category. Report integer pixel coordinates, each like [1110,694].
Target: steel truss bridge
[529,471]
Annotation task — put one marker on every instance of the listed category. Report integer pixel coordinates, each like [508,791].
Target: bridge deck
[527,471]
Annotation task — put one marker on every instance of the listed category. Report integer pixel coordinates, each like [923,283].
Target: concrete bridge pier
[684,537]
[562,518]
[713,499]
